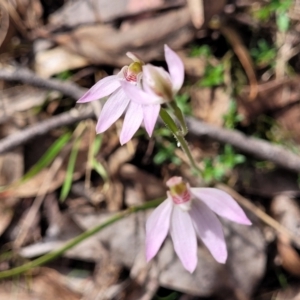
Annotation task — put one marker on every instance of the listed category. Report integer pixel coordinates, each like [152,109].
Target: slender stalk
[179,136]
[75,241]
[185,147]
[179,115]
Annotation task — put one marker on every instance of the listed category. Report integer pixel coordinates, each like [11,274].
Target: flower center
[131,73]
[179,192]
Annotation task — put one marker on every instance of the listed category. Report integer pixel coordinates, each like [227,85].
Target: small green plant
[264,54]
[216,169]
[213,76]
[232,118]
[280,9]
[166,148]
[203,50]
[65,75]
[182,102]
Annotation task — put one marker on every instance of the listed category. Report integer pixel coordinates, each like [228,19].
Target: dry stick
[25,75]
[41,128]
[259,148]
[259,213]
[253,146]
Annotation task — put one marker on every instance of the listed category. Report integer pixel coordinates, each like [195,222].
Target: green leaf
[48,157]
[70,170]
[97,144]
[200,51]
[160,157]
[283,22]
[213,76]
[99,168]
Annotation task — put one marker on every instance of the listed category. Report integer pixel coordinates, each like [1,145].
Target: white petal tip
[247,222]
[191,269]
[221,258]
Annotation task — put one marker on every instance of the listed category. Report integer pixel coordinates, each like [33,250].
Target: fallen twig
[41,128]
[253,146]
[25,75]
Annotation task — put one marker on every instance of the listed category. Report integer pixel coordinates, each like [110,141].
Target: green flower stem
[75,241]
[179,136]
[169,122]
[185,147]
[179,115]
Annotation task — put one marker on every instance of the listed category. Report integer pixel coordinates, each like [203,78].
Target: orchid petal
[176,68]
[209,229]
[132,122]
[150,117]
[184,238]
[157,227]
[102,88]
[156,81]
[222,204]
[112,110]
[139,96]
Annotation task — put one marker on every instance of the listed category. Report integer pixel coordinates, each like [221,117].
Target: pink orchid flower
[159,86]
[188,213]
[118,102]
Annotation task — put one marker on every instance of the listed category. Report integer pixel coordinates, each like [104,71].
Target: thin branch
[41,128]
[253,146]
[25,75]
[259,148]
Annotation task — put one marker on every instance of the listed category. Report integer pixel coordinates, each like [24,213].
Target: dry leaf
[57,60]
[94,11]
[103,44]
[210,105]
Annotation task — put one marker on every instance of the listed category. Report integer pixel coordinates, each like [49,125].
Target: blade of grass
[44,161]
[97,144]
[48,157]
[98,167]
[70,170]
